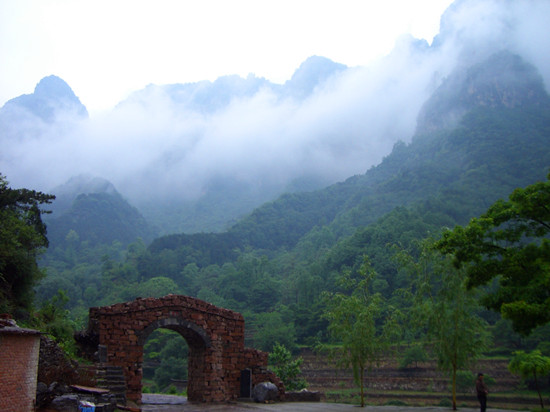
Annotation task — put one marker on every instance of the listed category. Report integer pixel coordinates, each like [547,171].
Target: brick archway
[215,337]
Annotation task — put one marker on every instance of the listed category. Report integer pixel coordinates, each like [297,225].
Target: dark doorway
[246,383]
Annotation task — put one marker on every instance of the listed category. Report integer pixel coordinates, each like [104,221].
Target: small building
[19,350]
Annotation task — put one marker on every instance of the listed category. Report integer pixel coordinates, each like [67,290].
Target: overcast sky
[105,49]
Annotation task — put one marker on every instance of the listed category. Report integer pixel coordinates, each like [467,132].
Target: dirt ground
[171,403]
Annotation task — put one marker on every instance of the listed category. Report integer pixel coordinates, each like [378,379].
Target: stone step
[112,378]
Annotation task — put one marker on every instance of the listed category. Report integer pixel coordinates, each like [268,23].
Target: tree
[53,319]
[528,365]
[22,238]
[413,355]
[447,310]
[509,242]
[271,328]
[165,357]
[285,368]
[361,322]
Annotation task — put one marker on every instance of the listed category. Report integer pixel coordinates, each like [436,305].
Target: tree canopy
[447,310]
[528,365]
[22,238]
[509,242]
[361,322]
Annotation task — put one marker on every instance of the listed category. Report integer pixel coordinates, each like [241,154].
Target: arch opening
[192,333]
[165,362]
[198,342]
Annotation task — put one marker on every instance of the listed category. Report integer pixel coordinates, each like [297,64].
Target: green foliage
[22,239]
[413,355]
[455,332]
[280,361]
[98,218]
[170,368]
[465,380]
[157,287]
[445,403]
[396,402]
[509,242]
[274,265]
[165,358]
[531,364]
[270,330]
[360,322]
[53,319]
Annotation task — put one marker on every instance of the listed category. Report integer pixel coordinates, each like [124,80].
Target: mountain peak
[502,80]
[77,185]
[54,87]
[312,72]
[51,96]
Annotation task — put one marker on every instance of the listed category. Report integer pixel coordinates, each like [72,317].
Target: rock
[43,397]
[58,389]
[265,391]
[66,403]
[53,364]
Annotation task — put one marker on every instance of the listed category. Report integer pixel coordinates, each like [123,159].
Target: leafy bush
[286,368]
[413,355]
[465,381]
[396,402]
[445,402]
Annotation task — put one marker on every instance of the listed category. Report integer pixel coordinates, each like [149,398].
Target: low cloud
[153,147]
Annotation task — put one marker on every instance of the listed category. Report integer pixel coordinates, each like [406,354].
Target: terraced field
[419,386]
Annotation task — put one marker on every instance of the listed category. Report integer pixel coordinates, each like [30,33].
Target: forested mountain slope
[274,265]
[99,218]
[461,165]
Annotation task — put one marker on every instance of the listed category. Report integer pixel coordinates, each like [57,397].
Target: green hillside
[274,264]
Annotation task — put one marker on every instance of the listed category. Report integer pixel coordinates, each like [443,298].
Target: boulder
[264,392]
[43,396]
[66,403]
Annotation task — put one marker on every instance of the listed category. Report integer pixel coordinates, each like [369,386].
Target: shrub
[445,402]
[395,402]
[465,381]
[286,368]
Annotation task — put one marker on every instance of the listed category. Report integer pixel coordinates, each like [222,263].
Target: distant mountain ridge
[208,97]
[359,200]
[52,96]
[492,148]
[97,218]
[67,193]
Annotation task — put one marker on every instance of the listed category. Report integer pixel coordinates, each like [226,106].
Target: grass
[419,398]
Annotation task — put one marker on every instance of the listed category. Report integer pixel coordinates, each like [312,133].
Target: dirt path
[171,403]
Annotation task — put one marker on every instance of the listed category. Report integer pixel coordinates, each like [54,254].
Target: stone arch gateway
[215,336]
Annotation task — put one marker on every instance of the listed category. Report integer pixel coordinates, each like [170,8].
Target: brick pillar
[19,350]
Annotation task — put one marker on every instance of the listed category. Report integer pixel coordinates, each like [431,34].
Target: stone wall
[19,350]
[54,365]
[215,337]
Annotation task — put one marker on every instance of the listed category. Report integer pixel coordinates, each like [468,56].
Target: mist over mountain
[503,80]
[198,156]
[66,193]
[446,174]
[208,97]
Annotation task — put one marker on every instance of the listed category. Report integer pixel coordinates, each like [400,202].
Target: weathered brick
[214,367]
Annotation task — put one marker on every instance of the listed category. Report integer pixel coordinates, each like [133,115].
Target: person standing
[482,392]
